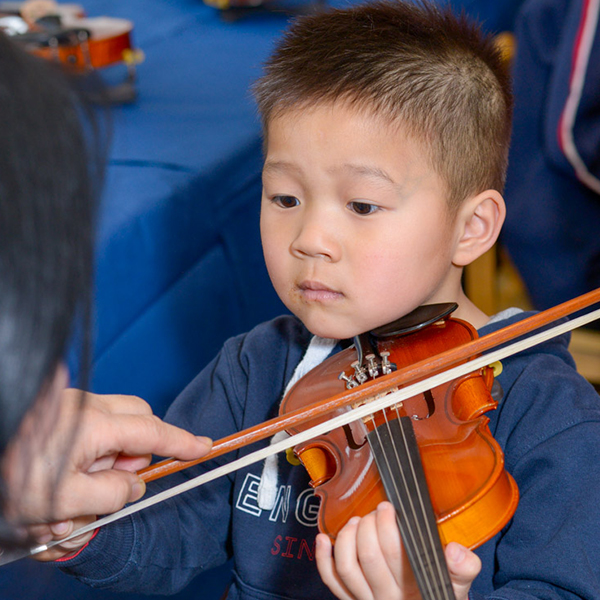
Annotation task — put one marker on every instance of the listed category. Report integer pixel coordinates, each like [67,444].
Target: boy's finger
[389,538]
[326,568]
[463,566]
[381,572]
[348,553]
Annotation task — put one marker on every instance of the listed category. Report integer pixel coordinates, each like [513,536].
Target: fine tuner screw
[372,370]
[359,372]
[386,365]
[372,366]
[350,383]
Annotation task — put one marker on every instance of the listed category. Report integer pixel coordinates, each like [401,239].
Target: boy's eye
[362,208]
[286,201]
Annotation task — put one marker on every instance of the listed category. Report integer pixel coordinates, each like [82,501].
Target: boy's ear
[479,221]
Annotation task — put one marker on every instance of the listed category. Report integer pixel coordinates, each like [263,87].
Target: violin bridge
[393,408]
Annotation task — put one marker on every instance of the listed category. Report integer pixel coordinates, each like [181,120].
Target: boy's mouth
[317,291]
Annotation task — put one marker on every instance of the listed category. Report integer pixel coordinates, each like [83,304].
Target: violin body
[472,495]
[107,42]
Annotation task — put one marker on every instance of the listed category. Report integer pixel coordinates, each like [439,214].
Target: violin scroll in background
[62,33]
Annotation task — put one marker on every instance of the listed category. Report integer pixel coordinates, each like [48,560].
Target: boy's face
[354,222]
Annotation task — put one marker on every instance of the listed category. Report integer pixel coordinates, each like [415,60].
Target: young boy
[386,133]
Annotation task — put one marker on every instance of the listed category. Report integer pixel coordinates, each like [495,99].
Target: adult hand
[69,464]
[368,561]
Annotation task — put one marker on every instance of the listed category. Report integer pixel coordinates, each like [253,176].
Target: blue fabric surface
[551,229]
[179,262]
[183,184]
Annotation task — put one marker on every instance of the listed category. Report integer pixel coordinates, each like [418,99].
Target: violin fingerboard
[396,454]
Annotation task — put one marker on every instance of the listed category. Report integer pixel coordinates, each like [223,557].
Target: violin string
[410,524]
[440,570]
[425,583]
[354,414]
[405,523]
[430,533]
[431,528]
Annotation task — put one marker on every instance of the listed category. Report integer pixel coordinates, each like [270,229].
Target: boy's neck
[470,312]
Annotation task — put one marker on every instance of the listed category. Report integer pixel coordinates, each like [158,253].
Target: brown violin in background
[432,455]
[64,34]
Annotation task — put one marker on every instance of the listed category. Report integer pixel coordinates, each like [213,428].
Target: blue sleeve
[160,549]
[551,550]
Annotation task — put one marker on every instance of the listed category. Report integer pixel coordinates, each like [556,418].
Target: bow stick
[439,365]
[382,385]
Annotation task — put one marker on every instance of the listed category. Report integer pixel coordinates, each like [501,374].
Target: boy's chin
[332,331]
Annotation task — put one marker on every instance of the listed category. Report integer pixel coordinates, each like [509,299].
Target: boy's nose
[316,239]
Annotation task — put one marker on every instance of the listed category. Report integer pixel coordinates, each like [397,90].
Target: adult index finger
[137,435]
[111,403]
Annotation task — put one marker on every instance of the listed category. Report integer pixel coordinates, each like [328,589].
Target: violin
[431,455]
[62,32]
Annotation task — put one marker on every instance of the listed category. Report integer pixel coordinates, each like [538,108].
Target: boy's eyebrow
[280,166]
[369,171]
[362,170]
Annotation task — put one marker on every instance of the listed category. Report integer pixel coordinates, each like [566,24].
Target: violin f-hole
[352,443]
[428,396]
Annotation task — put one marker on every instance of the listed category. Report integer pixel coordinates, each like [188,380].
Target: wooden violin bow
[419,374]
[382,385]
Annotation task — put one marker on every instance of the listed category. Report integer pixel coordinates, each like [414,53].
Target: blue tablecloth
[179,262]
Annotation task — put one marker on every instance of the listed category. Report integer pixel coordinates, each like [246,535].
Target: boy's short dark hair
[430,71]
